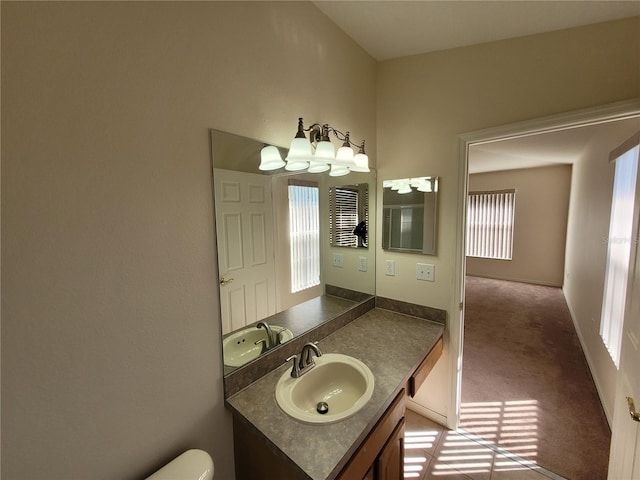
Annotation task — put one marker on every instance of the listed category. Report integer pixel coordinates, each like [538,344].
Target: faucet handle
[264,345]
[295,371]
[278,337]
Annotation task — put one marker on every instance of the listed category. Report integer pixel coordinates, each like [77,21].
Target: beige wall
[426,101]
[540,224]
[110,338]
[586,255]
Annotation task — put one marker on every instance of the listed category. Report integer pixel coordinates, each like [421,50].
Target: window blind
[490,219]
[619,252]
[304,233]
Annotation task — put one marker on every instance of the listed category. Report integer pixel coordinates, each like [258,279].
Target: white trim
[426,412]
[578,118]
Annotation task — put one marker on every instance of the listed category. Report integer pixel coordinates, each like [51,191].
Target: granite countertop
[390,344]
[304,316]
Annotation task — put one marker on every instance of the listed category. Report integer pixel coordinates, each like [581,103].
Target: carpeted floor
[526,385]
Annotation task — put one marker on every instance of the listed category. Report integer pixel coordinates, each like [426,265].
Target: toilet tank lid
[191,465]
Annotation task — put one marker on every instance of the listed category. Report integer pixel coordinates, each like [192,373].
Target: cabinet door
[370,475]
[390,462]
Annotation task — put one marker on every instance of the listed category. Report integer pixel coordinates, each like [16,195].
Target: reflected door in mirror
[244,221]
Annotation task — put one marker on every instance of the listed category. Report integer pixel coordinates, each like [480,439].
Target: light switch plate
[390,268]
[425,271]
[362,264]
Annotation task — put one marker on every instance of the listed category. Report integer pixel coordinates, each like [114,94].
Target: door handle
[632,410]
[224,281]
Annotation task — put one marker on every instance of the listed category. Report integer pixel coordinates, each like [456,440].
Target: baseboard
[425,412]
[583,344]
[519,280]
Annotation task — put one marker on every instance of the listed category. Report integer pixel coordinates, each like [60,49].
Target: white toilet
[191,465]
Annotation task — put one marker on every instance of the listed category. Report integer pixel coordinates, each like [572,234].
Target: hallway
[526,385]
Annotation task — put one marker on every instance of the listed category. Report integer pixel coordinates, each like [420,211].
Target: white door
[624,461]
[244,224]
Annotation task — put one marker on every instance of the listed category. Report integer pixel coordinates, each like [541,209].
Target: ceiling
[563,146]
[391,29]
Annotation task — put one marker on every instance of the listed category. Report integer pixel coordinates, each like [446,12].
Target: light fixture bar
[317,154]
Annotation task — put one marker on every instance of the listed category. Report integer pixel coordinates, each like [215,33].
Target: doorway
[528,130]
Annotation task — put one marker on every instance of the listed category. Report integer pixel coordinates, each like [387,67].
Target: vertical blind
[304,232]
[490,224]
[619,252]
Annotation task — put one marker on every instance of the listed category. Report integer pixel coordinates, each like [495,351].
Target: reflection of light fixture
[303,156]
[406,188]
[404,185]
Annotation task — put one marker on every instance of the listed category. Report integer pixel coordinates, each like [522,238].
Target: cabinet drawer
[366,455]
[421,373]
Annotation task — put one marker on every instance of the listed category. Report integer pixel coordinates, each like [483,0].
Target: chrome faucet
[273,338]
[305,363]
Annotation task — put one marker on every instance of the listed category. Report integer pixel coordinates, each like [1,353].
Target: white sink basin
[344,383]
[240,347]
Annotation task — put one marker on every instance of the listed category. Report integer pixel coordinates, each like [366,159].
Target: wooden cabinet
[390,462]
[380,456]
[370,474]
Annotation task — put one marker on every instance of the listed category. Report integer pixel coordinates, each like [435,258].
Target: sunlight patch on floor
[414,466]
[420,439]
[510,425]
[458,454]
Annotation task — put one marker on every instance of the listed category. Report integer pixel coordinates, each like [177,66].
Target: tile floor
[433,452]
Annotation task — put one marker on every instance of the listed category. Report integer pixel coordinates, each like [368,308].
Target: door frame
[579,118]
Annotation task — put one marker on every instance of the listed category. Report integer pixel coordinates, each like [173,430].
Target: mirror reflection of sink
[339,385]
[240,347]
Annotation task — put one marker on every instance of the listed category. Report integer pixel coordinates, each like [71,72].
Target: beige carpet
[526,385]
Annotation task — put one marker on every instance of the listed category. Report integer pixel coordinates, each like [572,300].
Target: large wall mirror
[275,265]
[409,217]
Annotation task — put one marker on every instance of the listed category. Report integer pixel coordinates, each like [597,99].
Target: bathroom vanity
[399,349]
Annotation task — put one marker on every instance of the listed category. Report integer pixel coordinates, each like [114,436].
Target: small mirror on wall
[409,208]
[349,215]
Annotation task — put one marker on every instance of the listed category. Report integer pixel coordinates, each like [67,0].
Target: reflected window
[349,215]
[304,236]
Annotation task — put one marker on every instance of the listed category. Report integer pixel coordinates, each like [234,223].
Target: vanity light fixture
[405,185]
[317,154]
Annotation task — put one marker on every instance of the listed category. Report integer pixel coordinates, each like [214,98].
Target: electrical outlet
[425,271]
[338,260]
[390,267]
[362,264]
